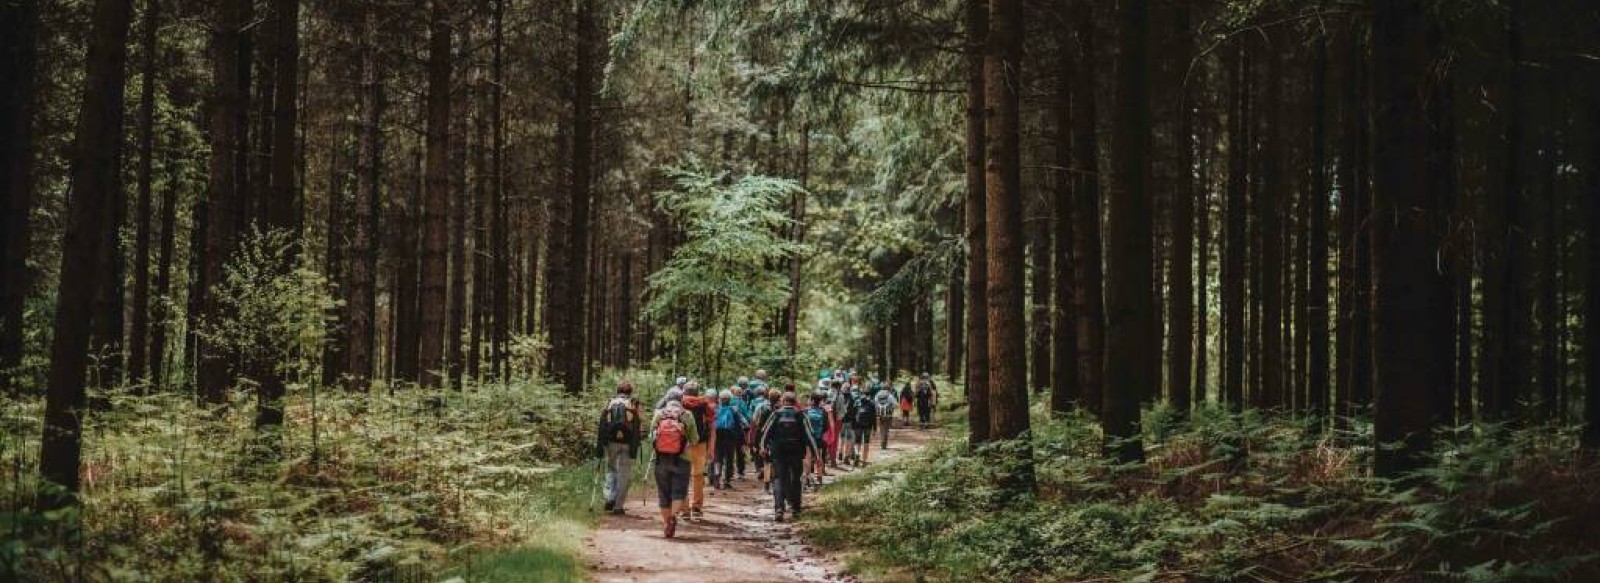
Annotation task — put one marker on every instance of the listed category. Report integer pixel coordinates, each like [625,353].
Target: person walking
[884,400]
[907,398]
[618,444]
[703,412]
[672,433]
[730,427]
[820,423]
[787,439]
[863,421]
[759,411]
[927,398]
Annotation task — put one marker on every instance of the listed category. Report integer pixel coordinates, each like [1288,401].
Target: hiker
[849,445]
[672,433]
[839,400]
[730,427]
[764,404]
[927,398]
[618,445]
[818,422]
[745,405]
[759,383]
[675,389]
[884,400]
[786,440]
[907,397]
[863,421]
[704,413]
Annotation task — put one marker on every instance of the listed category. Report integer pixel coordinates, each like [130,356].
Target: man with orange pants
[704,412]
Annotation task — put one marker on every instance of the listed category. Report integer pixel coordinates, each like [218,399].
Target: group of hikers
[699,436]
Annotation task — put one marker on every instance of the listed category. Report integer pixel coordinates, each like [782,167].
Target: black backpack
[699,413]
[615,423]
[866,414]
[788,431]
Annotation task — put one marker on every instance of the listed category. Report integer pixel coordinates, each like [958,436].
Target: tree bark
[1233,266]
[1507,347]
[19,55]
[1086,245]
[138,359]
[1037,230]
[94,189]
[1315,320]
[283,204]
[436,203]
[1591,296]
[497,197]
[360,329]
[1269,203]
[1406,236]
[569,258]
[1181,300]
[1064,385]
[1130,344]
[223,186]
[977,385]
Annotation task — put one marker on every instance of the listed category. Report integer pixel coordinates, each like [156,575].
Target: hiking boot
[610,506]
[671,527]
[778,518]
[695,514]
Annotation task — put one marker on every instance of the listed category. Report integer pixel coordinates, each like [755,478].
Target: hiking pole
[594,484]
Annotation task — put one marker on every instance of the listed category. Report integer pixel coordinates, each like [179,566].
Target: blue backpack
[819,422]
[727,417]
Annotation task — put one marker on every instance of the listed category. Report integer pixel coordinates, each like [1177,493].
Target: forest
[1214,290]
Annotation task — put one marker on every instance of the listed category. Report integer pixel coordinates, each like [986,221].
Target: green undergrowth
[1224,498]
[487,484]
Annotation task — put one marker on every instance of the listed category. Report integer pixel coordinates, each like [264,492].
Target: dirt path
[736,542]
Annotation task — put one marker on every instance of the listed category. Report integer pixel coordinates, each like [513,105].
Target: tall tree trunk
[955,308]
[1507,348]
[94,190]
[1037,231]
[1315,320]
[1181,300]
[436,202]
[791,336]
[169,224]
[569,258]
[283,201]
[406,306]
[976,203]
[497,197]
[1064,386]
[480,227]
[361,328]
[1008,375]
[138,360]
[19,55]
[223,188]
[1406,236]
[1086,245]
[1269,202]
[455,326]
[1130,344]
[1591,290]
[1234,251]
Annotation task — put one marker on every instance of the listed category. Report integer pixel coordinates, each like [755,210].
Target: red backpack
[670,436]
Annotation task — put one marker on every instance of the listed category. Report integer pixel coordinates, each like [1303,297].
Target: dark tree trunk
[223,189]
[94,187]
[1315,317]
[19,54]
[569,258]
[1181,301]
[1507,347]
[791,335]
[955,309]
[138,359]
[977,27]
[459,202]
[1037,231]
[169,224]
[1086,246]
[1406,236]
[1234,250]
[283,203]
[1591,291]
[404,289]
[360,328]
[480,227]
[1131,347]
[436,203]
[497,197]
[1064,386]
[1269,203]
[1008,344]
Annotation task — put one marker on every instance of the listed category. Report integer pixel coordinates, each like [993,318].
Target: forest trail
[737,542]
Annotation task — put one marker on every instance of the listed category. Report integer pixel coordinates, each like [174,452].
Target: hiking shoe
[778,518]
[671,527]
[610,506]
[695,514]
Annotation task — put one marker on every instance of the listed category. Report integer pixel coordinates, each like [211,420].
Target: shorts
[862,435]
[672,479]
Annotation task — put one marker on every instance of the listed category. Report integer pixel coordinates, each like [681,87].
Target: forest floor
[736,542]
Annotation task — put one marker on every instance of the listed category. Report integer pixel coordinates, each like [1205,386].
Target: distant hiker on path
[884,400]
[927,396]
[731,424]
[704,413]
[618,445]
